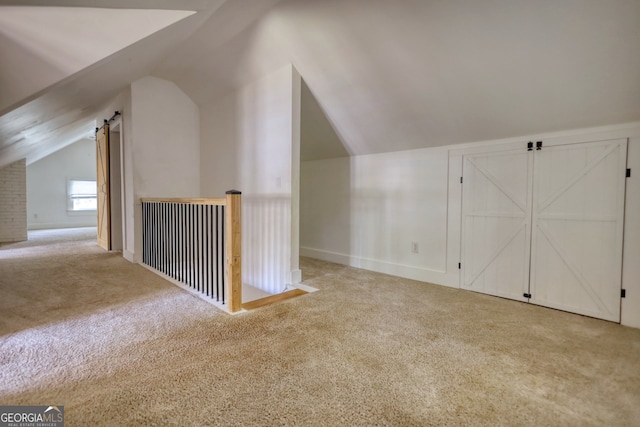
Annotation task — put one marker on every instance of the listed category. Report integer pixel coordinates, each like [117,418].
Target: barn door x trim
[546,225]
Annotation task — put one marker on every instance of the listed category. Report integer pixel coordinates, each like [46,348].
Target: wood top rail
[188,201]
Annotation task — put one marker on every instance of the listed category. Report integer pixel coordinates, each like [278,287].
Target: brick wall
[13,202]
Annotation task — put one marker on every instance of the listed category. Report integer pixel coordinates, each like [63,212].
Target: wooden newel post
[234,250]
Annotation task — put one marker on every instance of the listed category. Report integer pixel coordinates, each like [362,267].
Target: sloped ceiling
[43,45]
[318,139]
[404,74]
[60,64]
[388,75]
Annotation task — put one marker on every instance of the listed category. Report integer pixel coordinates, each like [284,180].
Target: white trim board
[437,277]
[623,130]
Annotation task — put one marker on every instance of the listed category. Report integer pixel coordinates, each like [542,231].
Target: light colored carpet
[117,345]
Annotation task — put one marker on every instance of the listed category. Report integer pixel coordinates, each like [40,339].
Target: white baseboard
[58,225]
[295,277]
[128,255]
[334,257]
[437,277]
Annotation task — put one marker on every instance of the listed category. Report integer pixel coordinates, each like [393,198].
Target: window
[82,195]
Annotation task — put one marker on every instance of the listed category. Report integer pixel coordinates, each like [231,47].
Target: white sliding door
[578,213]
[496,222]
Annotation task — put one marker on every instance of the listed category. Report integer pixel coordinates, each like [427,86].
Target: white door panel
[496,214]
[577,225]
[547,224]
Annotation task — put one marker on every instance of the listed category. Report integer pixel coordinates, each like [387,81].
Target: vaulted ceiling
[388,75]
[63,59]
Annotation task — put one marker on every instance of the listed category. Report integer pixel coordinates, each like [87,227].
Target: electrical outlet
[415,248]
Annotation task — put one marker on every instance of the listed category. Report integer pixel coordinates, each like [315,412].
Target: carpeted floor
[117,345]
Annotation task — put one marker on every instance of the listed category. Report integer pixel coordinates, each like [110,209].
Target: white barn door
[496,222]
[545,225]
[578,214]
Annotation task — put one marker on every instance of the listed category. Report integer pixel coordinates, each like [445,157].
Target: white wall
[250,142]
[115,186]
[159,157]
[164,152]
[166,140]
[366,210]
[13,202]
[631,253]
[47,186]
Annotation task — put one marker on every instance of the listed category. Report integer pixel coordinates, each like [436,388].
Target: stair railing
[196,242]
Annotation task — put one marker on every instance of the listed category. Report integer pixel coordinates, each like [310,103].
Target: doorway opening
[109,177]
[116,179]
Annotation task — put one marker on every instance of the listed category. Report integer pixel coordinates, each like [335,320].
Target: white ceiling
[418,73]
[389,75]
[43,45]
[60,73]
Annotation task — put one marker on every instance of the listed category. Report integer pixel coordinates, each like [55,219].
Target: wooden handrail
[190,201]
